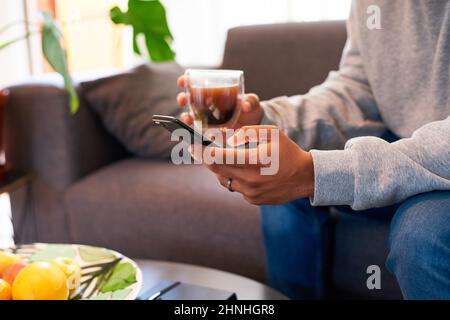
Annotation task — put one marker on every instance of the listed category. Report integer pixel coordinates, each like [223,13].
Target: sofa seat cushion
[157,210]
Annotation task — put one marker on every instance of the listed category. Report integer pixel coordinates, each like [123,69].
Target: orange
[40,281]
[11,272]
[5,290]
[7,259]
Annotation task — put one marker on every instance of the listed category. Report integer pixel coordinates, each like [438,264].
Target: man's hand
[294,179]
[252,112]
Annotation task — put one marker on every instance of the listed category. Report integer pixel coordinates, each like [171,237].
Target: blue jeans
[296,241]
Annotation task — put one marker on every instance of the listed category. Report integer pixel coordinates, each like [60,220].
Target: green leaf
[147,17]
[7,43]
[56,56]
[90,254]
[116,295]
[101,296]
[120,294]
[53,251]
[123,275]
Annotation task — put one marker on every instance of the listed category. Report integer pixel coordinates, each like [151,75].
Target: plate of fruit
[43,271]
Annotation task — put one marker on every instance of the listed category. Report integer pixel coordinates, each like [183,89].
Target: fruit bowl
[105,274]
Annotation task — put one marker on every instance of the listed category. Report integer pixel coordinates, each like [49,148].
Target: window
[93,42]
[199,28]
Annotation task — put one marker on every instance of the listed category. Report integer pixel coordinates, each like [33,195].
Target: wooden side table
[13,182]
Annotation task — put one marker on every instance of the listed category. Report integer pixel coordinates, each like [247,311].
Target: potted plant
[146,17]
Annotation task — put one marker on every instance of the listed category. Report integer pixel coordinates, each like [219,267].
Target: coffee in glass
[214,96]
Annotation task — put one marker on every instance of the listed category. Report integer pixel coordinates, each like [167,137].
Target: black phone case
[171,124]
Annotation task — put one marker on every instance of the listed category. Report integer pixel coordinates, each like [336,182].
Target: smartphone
[171,124]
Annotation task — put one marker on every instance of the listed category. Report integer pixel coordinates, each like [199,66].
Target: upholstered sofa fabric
[126,102]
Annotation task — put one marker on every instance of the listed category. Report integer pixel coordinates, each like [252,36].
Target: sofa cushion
[127,101]
[286,58]
[156,210]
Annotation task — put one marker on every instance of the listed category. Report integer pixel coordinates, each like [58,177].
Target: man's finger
[246,106]
[226,170]
[182,99]
[250,102]
[186,118]
[182,81]
[235,183]
[233,157]
[253,99]
[260,134]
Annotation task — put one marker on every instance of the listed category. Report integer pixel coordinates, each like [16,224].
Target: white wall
[6,228]
[14,59]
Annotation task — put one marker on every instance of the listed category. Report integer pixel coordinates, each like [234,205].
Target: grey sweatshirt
[395,78]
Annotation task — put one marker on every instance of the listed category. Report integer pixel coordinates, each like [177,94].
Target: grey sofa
[88,189]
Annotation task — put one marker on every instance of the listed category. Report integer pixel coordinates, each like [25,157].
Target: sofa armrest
[43,138]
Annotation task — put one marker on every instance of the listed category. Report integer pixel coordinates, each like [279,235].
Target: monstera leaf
[147,17]
[56,56]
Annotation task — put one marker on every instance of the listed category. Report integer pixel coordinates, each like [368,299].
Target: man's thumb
[260,134]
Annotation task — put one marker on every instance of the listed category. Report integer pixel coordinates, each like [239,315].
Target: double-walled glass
[214,96]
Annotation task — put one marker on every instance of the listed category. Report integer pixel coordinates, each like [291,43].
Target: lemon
[40,281]
[72,271]
[5,290]
[7,259]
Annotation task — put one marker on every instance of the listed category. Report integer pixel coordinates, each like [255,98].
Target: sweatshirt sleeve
[371,172]
[329,114]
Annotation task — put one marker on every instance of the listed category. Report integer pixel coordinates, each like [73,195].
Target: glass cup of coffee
[214,96]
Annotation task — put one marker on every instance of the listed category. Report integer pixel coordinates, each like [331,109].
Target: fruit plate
[105,274]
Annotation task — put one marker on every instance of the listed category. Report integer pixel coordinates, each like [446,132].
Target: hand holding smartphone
[171,124]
